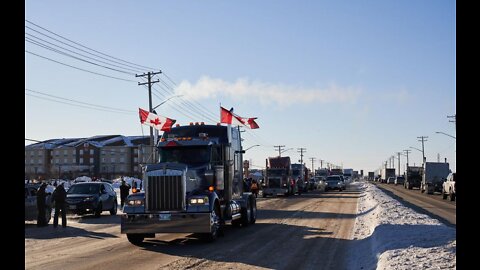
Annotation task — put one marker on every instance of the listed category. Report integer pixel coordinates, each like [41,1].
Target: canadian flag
[155,121]
[228,117]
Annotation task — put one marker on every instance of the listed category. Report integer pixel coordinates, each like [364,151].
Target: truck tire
[246,214]
[253,212]
[444,195]
[135,238]
[214,226]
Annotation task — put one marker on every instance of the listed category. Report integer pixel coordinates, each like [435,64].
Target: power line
[81,102]
[58,62]
[74,57]
[144,67]
[77,105]
[63,48]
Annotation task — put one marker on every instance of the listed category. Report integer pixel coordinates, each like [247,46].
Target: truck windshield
[186,155]
[276,172]
[296,172]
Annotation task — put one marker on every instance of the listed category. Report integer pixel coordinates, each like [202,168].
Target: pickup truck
[448,187]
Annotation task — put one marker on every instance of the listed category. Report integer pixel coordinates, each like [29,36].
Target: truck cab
[195,188]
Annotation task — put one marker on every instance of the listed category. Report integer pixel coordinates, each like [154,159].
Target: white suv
[448,187]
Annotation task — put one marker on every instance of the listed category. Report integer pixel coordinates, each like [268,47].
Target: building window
[91,151]
[32,161]
[65,160]
[57,160]
[122,160]
[65,152]
[135,169]
[81,151]
[91,160]
[135,151]
[112,160]
[135,159]
[81,160]
[39,161]
[103,159]
[56,153]
[103,152]
[39,153]
[122,150]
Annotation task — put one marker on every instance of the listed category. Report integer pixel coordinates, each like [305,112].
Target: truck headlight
[135,202]
[201,200]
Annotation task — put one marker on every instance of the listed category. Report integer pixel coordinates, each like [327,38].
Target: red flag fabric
[228,117]
[156,121]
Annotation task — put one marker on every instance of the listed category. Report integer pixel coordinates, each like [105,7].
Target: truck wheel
[113,211]
[253,211]
[98,211]
[135,238]
[444,195]
[214,226]
[246,214]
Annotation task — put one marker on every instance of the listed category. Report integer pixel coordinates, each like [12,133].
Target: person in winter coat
[124,191]
[41,206]
[59,196]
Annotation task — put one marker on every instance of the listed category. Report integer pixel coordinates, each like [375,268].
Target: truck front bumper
[166,223]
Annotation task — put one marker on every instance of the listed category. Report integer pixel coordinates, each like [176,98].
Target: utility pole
[301,151]
[150,82]
[454,120]
[280,148]
[313,161]
[438,157]
[422,139]
[398,163]
[321,163]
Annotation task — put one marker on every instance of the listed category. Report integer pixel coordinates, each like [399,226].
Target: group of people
[58,199]
[251,185]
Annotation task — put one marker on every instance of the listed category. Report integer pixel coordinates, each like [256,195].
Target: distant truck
[386,173]
[371,176]
[348,174]
[413,177]
[299,174]
[448,189]
[336,172]
[196,187]
[279,178]
[434,174]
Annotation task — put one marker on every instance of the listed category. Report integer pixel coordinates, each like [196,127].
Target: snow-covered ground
[388,235]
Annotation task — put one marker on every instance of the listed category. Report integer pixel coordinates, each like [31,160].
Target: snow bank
[388,235]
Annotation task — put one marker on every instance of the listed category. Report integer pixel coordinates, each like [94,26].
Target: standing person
[124,191]
[254,187]
[41,206]
[59,196]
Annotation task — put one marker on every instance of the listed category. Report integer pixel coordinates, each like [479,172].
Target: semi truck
[279,178]
[371,176]
[348,174]
[386,173]
[195,188]
[413,177]
[434,174]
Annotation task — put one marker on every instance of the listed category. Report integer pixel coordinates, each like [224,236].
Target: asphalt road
[310,231]
[430,204]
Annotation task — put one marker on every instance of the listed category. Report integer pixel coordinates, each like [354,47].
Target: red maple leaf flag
[156,121]
[228,117]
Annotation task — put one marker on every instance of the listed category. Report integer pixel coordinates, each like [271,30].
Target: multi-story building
[108,156]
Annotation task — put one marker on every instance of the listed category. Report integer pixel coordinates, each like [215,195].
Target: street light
[283,151]
[165,101]
[416,149]
[439,132]
[251,147]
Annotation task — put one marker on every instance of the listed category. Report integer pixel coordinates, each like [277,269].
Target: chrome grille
[165,193]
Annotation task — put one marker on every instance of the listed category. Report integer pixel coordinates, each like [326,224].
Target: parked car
[88,197]
[448,187]
[334,182]
[391,180]
[399,180]
[31,211]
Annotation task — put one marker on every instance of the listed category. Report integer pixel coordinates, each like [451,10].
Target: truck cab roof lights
[191,124]
[196,123]
[202,123]
[177,125]
[171,143]
[218,124]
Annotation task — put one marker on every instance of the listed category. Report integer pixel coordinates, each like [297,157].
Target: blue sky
[352,81]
